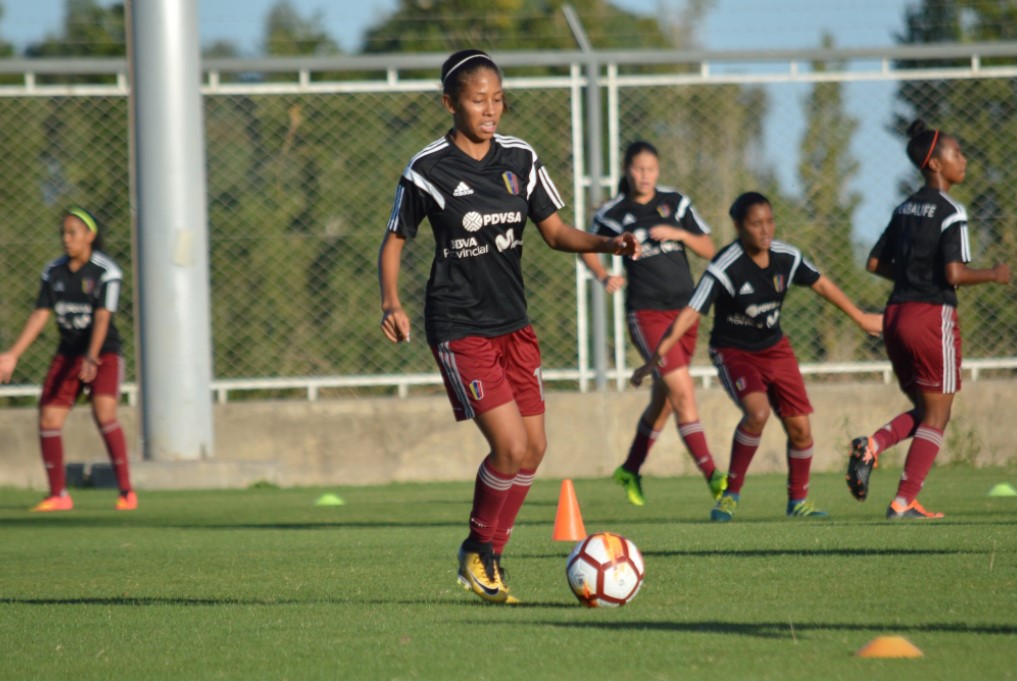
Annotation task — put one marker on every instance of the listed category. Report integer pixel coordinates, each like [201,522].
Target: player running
[477,188]
[659,286]
[923,251]
[83,288]
[747,282]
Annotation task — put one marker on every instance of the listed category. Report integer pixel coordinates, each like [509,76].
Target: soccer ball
[605,570]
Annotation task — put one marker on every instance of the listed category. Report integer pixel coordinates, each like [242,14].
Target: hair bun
[916,128]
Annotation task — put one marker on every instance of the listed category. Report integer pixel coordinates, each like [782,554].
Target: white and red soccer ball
[605,570]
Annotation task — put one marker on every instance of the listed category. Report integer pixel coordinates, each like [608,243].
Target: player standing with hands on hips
[659,286]
[924,251]
[747,283]
[82,287]
[477,188]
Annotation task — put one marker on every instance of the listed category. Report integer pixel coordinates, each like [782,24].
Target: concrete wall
[379,440]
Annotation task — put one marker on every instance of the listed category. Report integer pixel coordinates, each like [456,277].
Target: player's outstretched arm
[33,327]
[700,244]
[959,274]
[395,324]
[870,323]
[563,237]
[682,323]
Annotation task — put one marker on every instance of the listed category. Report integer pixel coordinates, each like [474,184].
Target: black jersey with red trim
[660,279]
[926,232]
[74,296]
[477,210]
[747,297]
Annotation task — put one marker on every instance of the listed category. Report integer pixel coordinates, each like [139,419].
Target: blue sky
[730,25]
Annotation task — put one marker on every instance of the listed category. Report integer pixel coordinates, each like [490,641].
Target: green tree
[288,34]
[980,112]
[89,30]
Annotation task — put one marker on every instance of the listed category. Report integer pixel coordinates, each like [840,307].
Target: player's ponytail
[923,143]
[635,149]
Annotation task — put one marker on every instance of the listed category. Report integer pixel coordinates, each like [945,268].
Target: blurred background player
[83,288]
[477,188]
[659,286]
[747,282]
[923,251]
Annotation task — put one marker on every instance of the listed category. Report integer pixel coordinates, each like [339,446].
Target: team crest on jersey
[477,390]
[511,182]
[779,283]
[664,210]
[87,286]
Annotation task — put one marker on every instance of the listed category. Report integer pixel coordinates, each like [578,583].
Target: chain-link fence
[302,173]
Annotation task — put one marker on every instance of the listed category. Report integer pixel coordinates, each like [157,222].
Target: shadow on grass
[466,600]
[773,553]
[778,630]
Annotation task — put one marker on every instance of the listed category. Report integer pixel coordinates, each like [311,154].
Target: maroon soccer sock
[743,448]
[52,444]
[694,437]
[799,461]
[641,444]
[513,502]
[900,428]
[924,448]
[116,447]
[489,494]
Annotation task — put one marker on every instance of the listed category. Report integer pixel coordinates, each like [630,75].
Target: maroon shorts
[63,387]
[773,371]
[923,343]
[483,373]
[647,327]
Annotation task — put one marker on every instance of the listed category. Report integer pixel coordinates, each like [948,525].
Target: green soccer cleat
[717,483]
[479,572]
[803,508]
[633,484]
[725,508]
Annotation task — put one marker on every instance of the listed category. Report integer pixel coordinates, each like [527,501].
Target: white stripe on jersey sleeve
[702,294]
[600,217]
[551,190]
[960,216]
[782,247]
[718,268]
[112,272]
[393,217]
[50,265]
[425,185]
[112,295]
[965,244]
[700,221]
[683,206]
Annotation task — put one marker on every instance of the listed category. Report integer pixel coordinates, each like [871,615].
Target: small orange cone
[889,646]
[568,522]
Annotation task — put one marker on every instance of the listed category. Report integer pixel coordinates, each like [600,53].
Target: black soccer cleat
[860,465]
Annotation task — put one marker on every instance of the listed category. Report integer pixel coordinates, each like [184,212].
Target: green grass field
[263,584]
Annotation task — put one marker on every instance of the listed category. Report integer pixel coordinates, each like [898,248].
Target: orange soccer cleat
[127,502]
[54,503]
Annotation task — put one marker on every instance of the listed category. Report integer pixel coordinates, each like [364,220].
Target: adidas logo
[462,190]
[628,219]
[746,289]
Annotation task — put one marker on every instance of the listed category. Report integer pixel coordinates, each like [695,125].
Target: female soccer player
[82,287]
[659,286]
[477,188]
[747,281]
[923,250]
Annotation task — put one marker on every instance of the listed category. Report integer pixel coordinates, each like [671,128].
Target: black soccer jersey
[749,297]
[660,279]
[75,296]
[925,233]
[477,210]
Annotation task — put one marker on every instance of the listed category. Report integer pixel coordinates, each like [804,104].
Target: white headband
[463,61]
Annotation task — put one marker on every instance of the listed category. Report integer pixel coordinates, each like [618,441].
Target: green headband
[85,217]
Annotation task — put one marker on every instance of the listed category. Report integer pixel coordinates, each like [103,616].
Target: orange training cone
[889,646]
[568,522]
